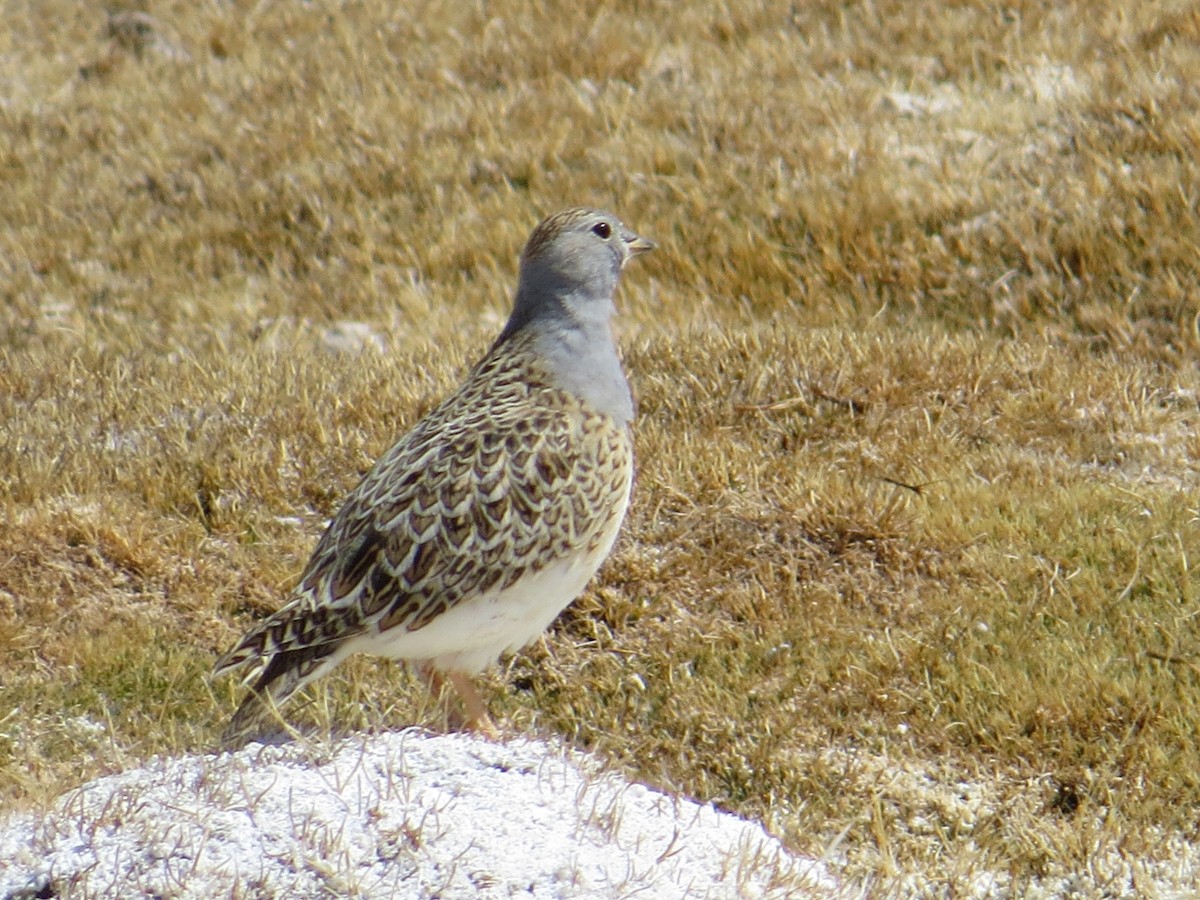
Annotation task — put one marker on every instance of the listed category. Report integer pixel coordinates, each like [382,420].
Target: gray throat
[577,350]
[586,364]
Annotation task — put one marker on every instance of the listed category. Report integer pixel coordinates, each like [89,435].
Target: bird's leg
[477,719]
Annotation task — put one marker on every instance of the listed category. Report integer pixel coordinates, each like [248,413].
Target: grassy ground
[918,403]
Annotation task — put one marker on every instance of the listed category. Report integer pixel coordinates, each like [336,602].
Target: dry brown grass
[916,371]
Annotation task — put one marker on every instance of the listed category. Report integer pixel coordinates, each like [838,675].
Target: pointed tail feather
[275,681]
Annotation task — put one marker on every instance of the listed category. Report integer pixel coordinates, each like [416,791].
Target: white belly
[471,635]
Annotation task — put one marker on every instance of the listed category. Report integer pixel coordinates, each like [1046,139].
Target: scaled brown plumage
[473,530]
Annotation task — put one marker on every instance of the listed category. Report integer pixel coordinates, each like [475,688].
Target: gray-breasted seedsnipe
[480,525]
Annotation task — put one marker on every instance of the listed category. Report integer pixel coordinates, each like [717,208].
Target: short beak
[637,245]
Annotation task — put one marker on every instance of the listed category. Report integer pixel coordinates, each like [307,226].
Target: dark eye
[603,229]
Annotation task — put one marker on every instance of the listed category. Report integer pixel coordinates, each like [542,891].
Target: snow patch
[397,814]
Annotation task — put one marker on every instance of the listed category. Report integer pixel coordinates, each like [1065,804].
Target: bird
[470,535]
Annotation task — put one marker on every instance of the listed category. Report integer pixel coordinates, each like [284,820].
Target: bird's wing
[476,495]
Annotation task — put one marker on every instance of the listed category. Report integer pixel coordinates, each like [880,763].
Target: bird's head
[572,262]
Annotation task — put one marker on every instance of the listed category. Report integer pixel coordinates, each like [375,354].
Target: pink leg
[477,719]
[477,715]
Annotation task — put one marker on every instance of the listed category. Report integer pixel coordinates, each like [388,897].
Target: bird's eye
[603,229]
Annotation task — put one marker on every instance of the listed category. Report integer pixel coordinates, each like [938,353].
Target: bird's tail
[275,680]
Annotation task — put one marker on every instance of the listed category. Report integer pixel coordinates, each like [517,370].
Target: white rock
[400,814]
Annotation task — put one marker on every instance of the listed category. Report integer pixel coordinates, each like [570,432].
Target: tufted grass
[915,366]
